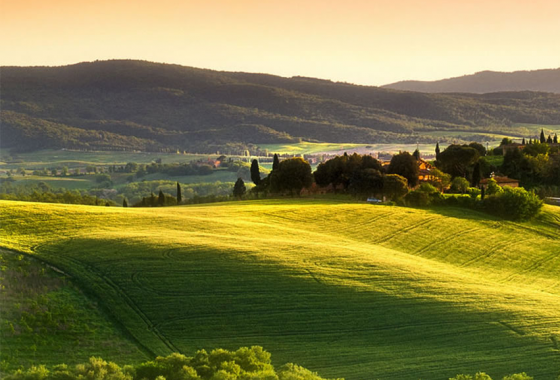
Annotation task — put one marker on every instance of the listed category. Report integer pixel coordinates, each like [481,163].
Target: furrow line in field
[446,239]
[140,313]
[91,270]
[406,229]
[356,226]
[491,250]
[533,266]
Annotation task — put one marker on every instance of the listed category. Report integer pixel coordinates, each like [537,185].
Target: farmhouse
[502,181]
[424,174]
[513,146]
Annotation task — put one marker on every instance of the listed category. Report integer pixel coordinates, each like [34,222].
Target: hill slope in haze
[148,106]
[346,289]
[488,81]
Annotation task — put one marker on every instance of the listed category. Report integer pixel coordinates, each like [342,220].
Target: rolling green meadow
[342,288]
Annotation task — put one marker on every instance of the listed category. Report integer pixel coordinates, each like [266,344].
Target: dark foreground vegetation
[244,364]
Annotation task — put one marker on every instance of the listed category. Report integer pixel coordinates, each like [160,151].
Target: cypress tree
[523,142]
[255,174]
[275,162]
[543,139]
[437,150]
[161,198]
[152,200]
[555,139]
[530,141]
[124,203]
[179,196]
[476,174]
[416,154]
[482,193]
[549,139]
[239,188]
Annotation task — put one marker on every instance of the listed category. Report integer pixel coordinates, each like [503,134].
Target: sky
[369,42]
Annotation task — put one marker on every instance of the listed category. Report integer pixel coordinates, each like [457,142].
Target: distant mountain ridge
[139,105]
[547,80]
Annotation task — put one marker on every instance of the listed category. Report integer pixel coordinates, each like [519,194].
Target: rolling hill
[346,289]
[137,105]
[488,81]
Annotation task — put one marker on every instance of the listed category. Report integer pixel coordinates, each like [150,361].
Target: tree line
[242,364]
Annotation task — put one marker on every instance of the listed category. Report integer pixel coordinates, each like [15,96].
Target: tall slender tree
[161,198]
[549,139]
[555,140]
[255,174]
[275,162]
[437,150]
[179,196]
[543,139]
[523,141]
[416,154]
[124,202]
[476,174]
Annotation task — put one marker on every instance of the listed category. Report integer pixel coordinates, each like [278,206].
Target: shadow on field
[186,297]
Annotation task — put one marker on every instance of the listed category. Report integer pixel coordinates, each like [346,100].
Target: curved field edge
[42,312]
[349,289]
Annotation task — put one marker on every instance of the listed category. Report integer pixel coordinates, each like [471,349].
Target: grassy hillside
[136,105]
[42,313]
[346,289]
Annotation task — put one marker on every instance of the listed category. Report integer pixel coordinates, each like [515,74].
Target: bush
[473,192]
[513,203]
[458,200]
[425,195]
[459,185]
[493,188]
[243,364]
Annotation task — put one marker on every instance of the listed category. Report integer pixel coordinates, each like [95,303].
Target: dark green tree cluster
[42,192]
[459,160]
[160,201]
[406,165]
[243,364]
[354,173]
[364,176]
[537,166]
[291,176]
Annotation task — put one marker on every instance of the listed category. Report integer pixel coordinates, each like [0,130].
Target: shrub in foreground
[423,196]
[513,203]
[483,376]
[244,364]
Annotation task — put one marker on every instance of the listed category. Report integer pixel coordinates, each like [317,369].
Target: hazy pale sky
[371,42]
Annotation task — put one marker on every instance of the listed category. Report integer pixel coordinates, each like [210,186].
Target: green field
[73,159]
[70,183]
[316,148]
[535,129]
[43,313]
[345,289]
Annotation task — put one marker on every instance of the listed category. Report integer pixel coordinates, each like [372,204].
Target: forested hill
[126,104]
[488,81]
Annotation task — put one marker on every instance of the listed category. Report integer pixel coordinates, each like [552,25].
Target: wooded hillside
[116,105]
